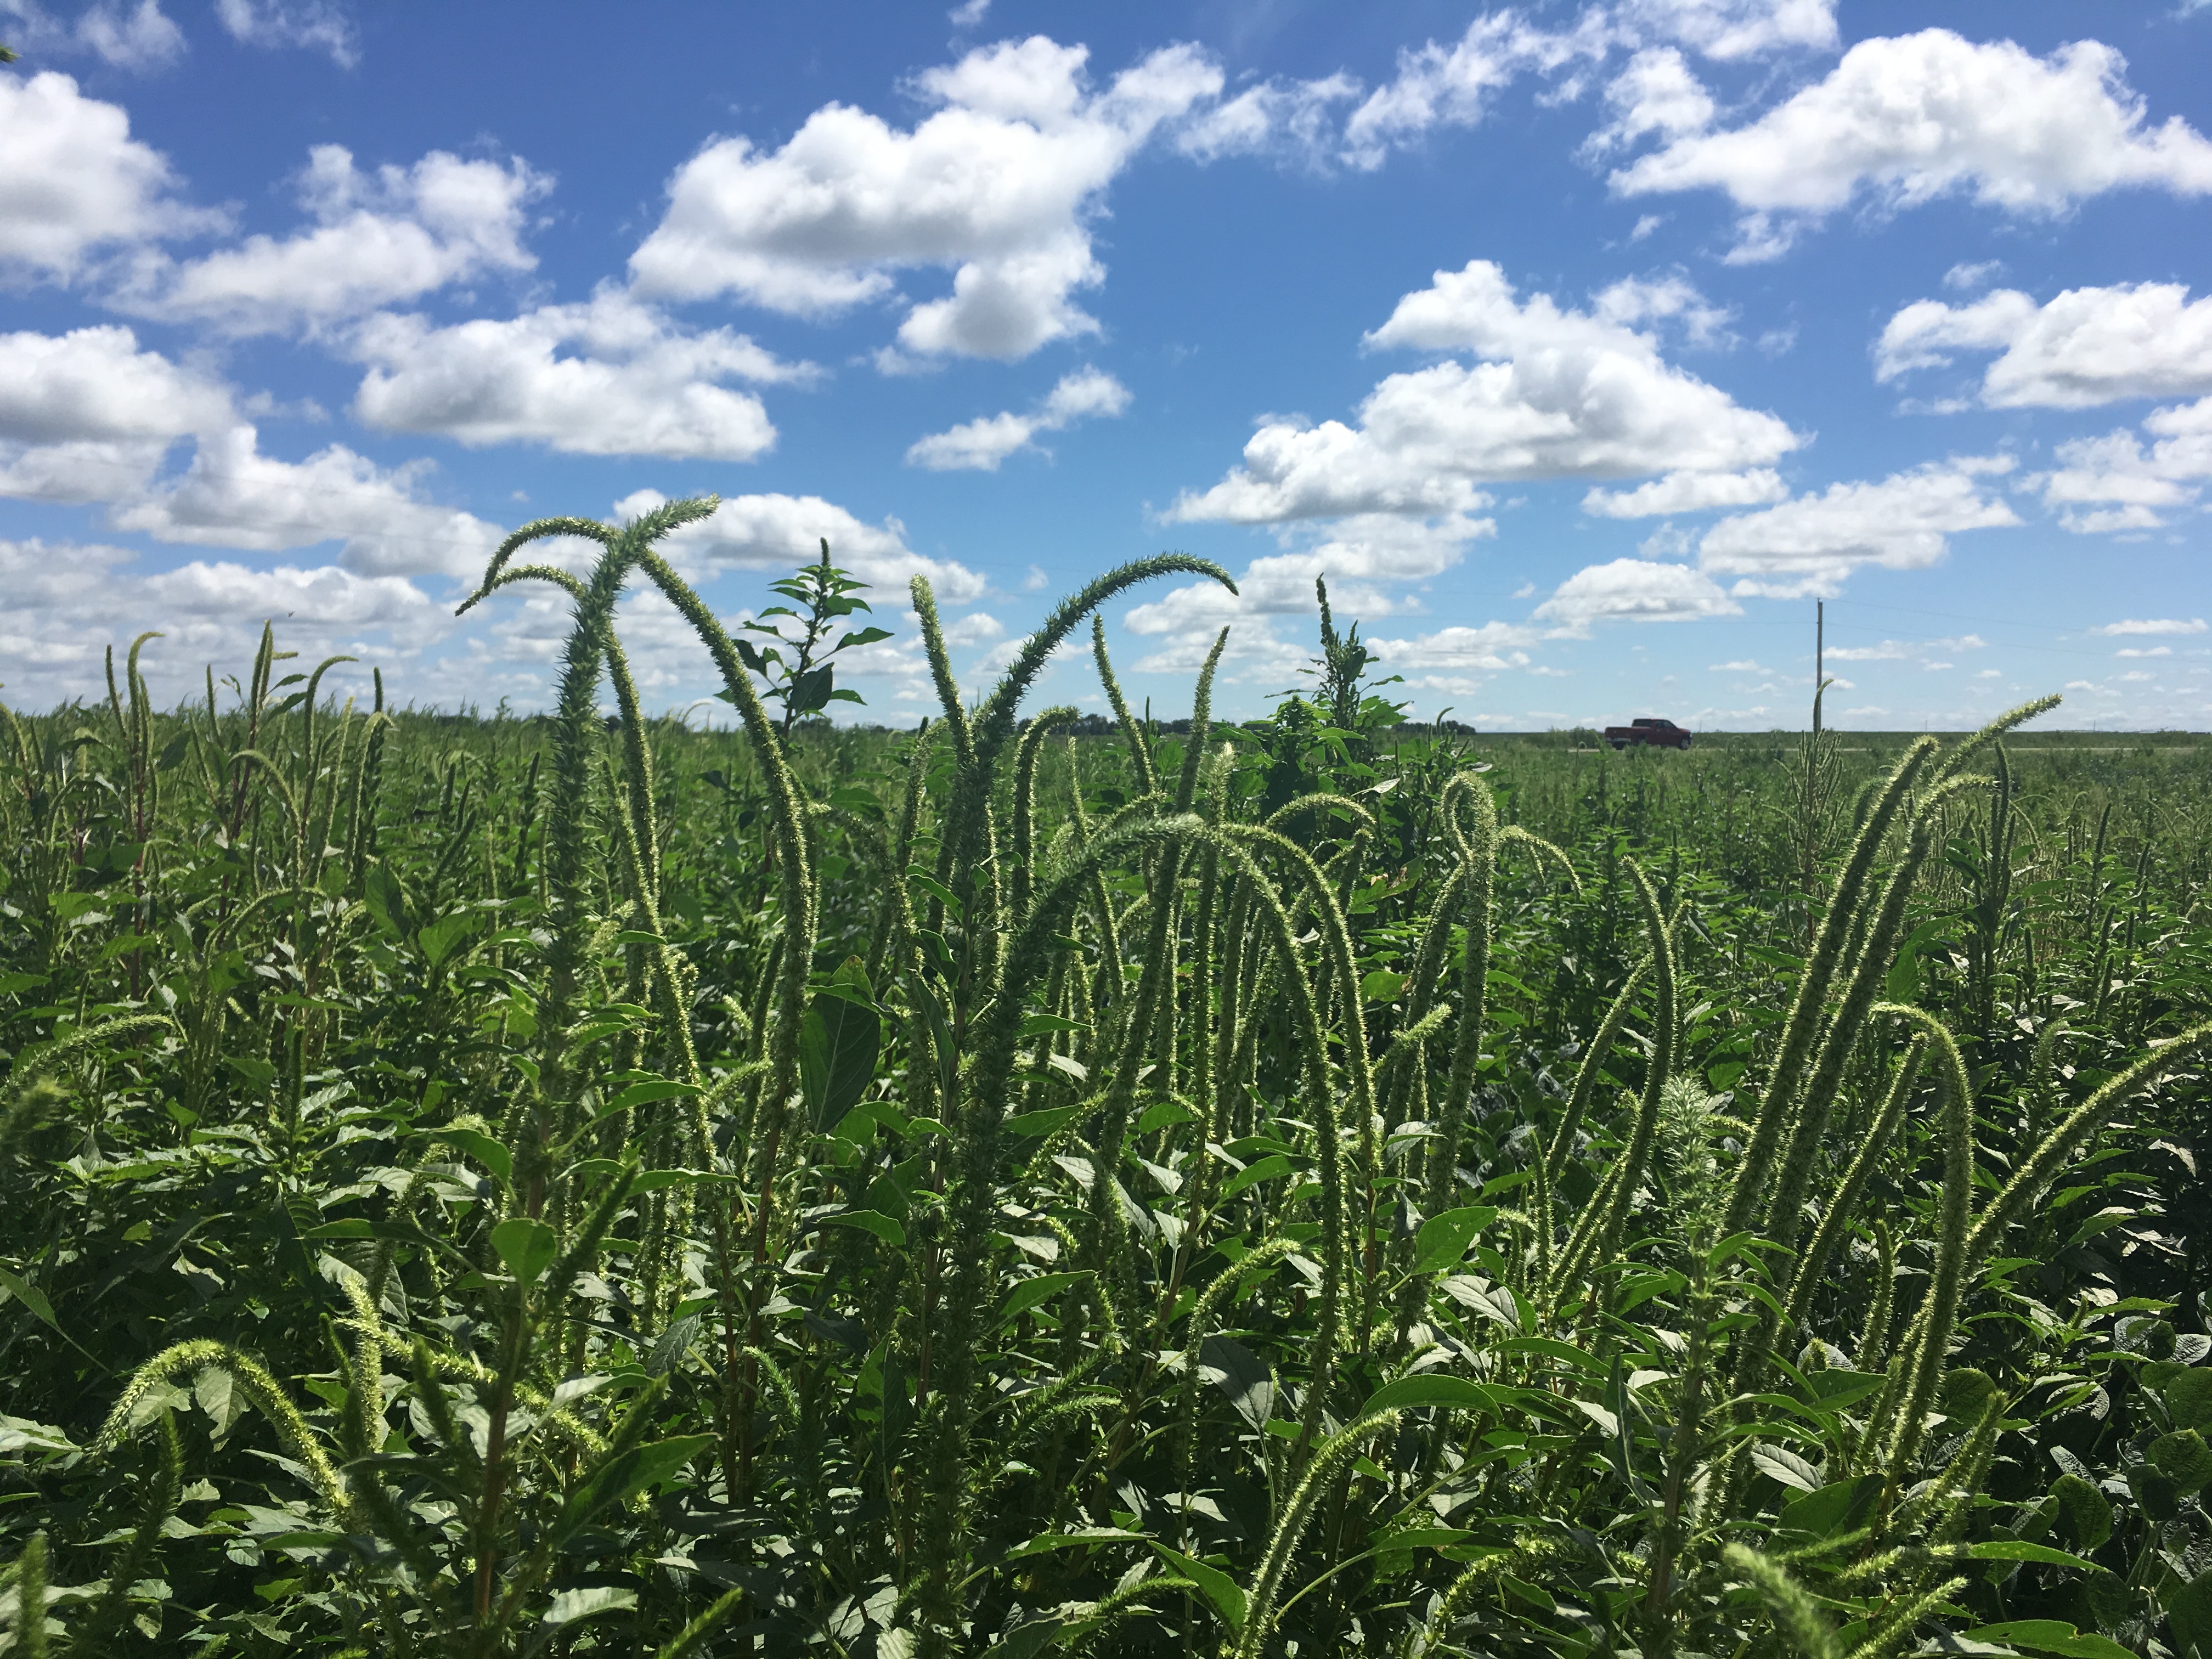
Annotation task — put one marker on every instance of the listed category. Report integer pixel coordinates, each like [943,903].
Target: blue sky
[1582,347]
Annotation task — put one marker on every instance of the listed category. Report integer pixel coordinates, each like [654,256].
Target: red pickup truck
[1656,733]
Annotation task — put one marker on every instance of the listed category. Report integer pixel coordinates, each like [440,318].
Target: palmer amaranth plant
[486,1187]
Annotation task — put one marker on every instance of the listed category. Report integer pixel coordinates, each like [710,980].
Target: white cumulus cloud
[93,384]
[636,384]
[2116,483]
[776,531]
[2087,346]
[1903,119]
[1811,543]
[999,185]
[73,180]
[1688,492]
[1634,590]
[1554,392]
[233,495]
[980,445]
[68,602]
[378,239]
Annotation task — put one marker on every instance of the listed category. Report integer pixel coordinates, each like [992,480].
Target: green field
[1320,1185]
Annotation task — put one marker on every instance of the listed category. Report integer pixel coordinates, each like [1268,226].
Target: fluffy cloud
[233,495]
[980,444]
[1688,492]
[2126,485]
[67,602]
[1810,544]
[1365,558]
[96,385]
[72,179]
[638,384]
[1730,29]
[2087,346]
[378,239]
[1634,590]
[1901,120]
[998,183]
[776,533]
[1657,93]
[87,415]
[1557,393]
[2152,625]
[1491,648]
[313,25]
[141,38]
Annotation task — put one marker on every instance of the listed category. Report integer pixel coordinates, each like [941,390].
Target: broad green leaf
[527,1247]
[1443,1240]
[1841,1507]
[1247,1379]
[490,1153]
[1271,1168]
[870,1221]
[1217,1586]
[1426,1389]
[1786,1467]
[30,1296]
[837,1047]
[2050,1636]
[1031,1292]
[630,1472]
[569,1606]
[1081,1536]
[2019,1549]
[641,1094]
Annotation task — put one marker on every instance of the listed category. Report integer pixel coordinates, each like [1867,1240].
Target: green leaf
[2050,1636]
[443,936]
[571,1604]
[2182,1458]
[837,1047]
[490,1153]
[1217,1586]
[809,691]
[1271,1168]
[31,1297]
[1032,1291]
[2019,1549]
[2189,1612]
[642,1094]
[2085,1514]
[1834,1510]
[1786,1467]
[629,1472]
[1046,1543]
[1432,1388]
[527,1246]
[1161,1114]
[870,1221]
[1443,1239]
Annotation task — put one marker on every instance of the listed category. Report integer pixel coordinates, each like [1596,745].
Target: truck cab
[1650,731]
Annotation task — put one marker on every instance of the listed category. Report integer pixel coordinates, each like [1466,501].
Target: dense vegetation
[1321,1186]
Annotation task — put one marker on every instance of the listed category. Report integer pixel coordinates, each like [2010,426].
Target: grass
[1321,1185]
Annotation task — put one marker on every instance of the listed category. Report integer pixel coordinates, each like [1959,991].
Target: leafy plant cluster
[572,1185]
